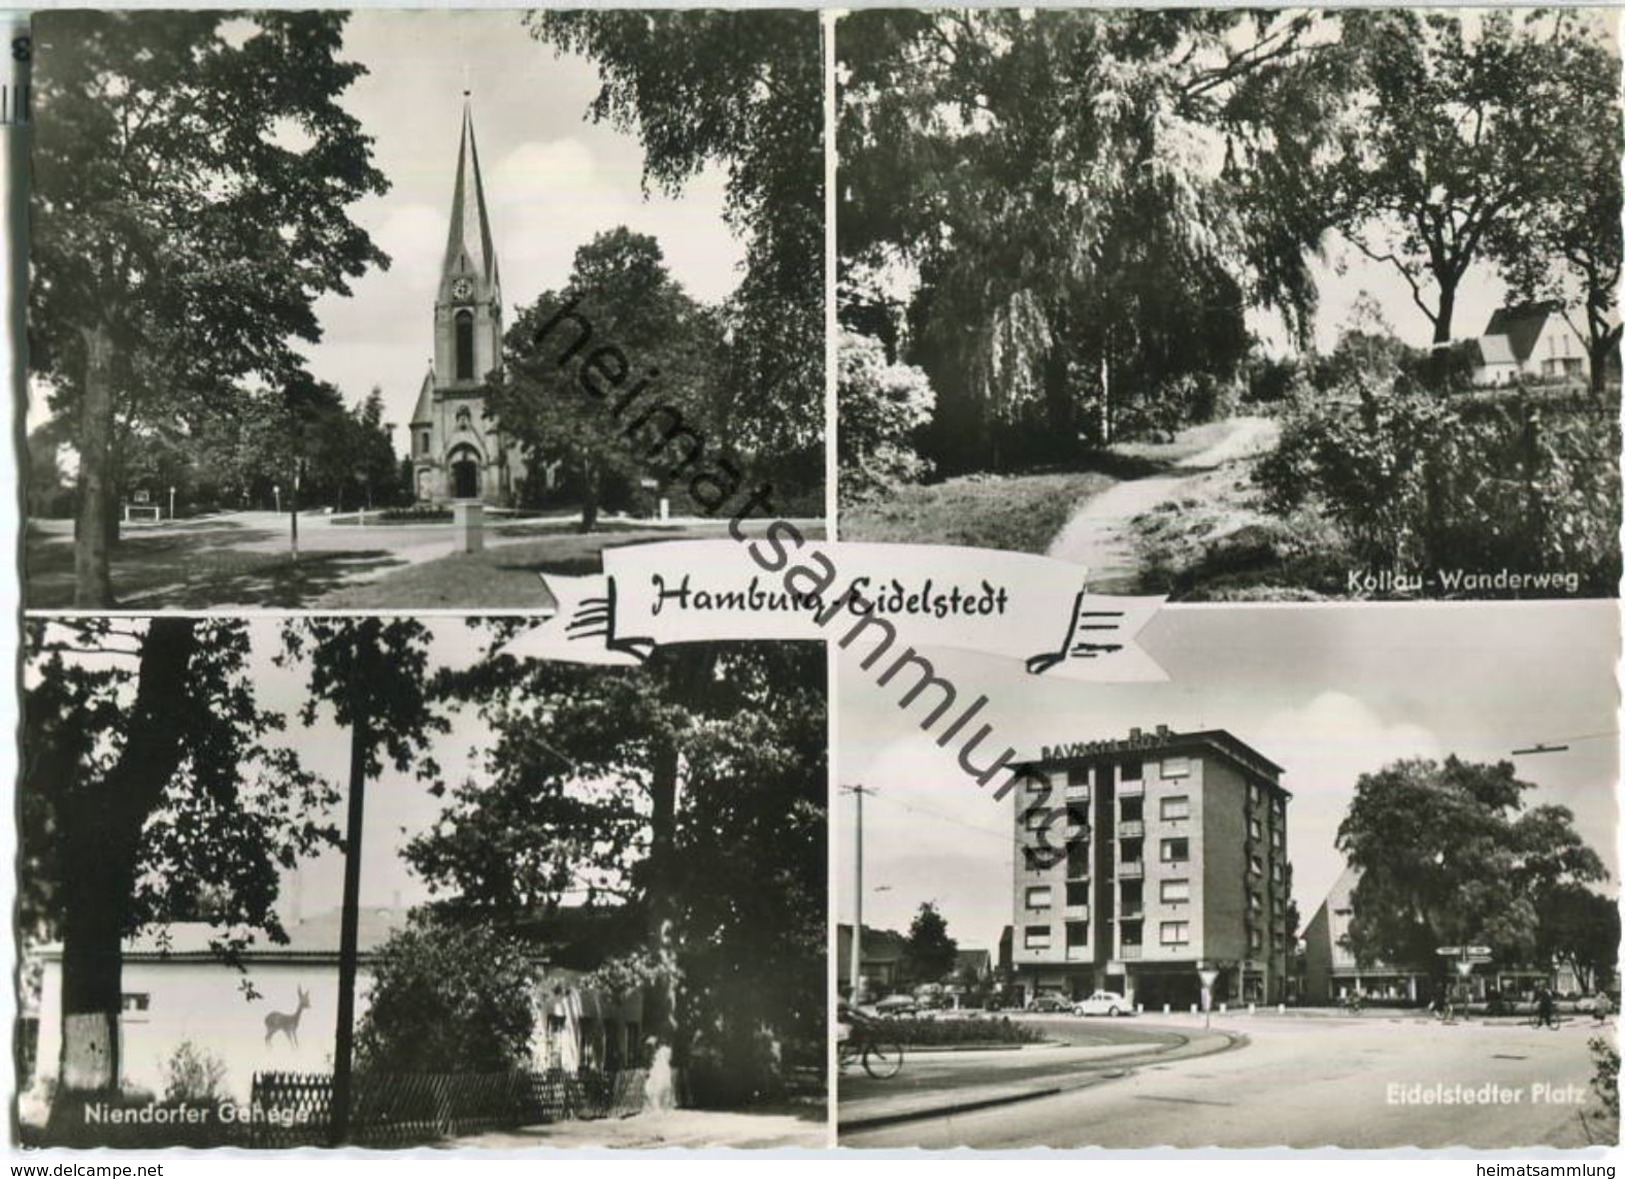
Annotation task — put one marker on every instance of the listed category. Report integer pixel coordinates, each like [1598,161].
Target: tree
[621,288]
[1089,201]
[372,673]
[151,790]
[1580,929]
[690,792]
[1576,221]
[929,954]
[449,998]
[190,181]
[1448,855]
[1451,138]
[743,89]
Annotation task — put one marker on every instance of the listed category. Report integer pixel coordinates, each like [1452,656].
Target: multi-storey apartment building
[1141,861]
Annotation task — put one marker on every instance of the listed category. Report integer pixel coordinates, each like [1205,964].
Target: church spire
[469,252]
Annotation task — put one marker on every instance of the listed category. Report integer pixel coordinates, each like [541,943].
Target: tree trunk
[100,842]
[96,523]
[361,738]
[1447,311]
[589,497]
[687,673]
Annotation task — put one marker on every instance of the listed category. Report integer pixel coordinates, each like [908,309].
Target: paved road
[1100,533]
[1306,1083]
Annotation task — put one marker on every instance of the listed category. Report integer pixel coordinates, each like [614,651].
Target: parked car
[1049,1003]
[1104,1003]
[897,1005]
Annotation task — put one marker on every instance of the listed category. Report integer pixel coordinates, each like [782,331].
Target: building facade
[1141,861]
[1535,341]
[458,452]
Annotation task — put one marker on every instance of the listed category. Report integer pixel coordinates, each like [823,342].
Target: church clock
[462,289]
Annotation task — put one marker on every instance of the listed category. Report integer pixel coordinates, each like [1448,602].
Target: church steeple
[469,251]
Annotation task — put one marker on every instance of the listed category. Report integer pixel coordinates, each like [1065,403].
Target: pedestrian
[1545,1009]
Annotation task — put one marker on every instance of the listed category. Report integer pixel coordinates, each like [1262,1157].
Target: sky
[552,181]
[1326,691]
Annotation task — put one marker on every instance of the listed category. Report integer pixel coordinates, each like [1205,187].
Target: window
[137,1001]
[1077,859]
[1077,934]
[1133,809]
[1275,873]
[1077,816]
[465,419]
[1077,775]
[465,346]
[1176,767]
[1255,940]
[1077,893]
[1255,902]
[1038,818]
[423,442]
[1176,933]
[1176,890]
[1131,770]
[1252,792]
[1038,897]
[1255,866]
[1176,806]
[1175,850]
[1255,829]
[1037,784]
[1036,937]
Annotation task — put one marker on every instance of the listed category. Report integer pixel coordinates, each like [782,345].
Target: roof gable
[1521,327]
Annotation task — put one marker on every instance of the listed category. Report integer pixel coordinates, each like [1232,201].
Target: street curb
[1112,1070]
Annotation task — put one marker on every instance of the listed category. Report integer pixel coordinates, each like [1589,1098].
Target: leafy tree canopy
[929,953]
[1449,855]
[743,89]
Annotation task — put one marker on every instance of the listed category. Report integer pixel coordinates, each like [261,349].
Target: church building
[458,453]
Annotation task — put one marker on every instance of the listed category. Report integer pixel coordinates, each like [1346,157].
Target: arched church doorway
[464,466]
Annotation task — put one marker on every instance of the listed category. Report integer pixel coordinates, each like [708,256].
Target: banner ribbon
[1015,605]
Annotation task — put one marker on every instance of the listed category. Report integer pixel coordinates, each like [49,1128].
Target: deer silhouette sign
[287,1024]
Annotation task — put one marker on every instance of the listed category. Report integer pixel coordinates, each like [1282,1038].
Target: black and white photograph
[381,883]
[1348,878]
[398,309]
[1234,304]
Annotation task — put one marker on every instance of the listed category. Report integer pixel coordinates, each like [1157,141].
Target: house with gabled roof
[1534,341]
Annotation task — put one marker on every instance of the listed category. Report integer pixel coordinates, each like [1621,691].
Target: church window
[465,345]
[465,420]
[423,442]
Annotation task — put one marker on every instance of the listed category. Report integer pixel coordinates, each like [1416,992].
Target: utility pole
[857,792]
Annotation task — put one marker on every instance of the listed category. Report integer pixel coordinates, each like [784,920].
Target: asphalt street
[1358,1083]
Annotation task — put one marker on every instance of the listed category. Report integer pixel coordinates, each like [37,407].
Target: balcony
[1079,953]
[1129,953]
[1131,829]
[1134,789]
[1132,910]
[1131,869]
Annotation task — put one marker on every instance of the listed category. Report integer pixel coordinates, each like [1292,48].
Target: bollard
[1252,1009]
[1193,1008]
[1165,1009]
[1280,1009]
[1139,1009]
[665,509]
[1224,1009]
[468,521]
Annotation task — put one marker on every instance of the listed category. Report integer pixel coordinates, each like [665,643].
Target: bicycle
[868,1044]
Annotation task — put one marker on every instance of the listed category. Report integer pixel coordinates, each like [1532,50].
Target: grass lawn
[1022,513]
[196,570]
[509,576]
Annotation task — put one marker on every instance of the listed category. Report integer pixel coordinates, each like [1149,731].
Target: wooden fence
[408,1109]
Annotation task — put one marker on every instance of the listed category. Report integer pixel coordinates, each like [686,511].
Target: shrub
[939,1032]
[882,406]
[193,1074]
[1422,482]
[1606,1079]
